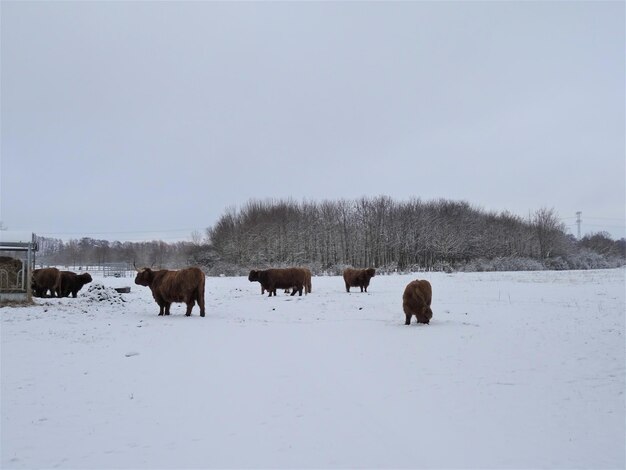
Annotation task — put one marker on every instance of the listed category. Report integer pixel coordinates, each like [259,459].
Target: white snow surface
[516,370]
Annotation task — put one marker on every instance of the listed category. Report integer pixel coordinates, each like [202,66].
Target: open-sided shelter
[17,257]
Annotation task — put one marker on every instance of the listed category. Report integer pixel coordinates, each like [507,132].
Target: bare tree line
[94,252]
[381,232]
[377,232]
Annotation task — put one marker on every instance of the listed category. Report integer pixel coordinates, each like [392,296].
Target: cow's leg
[408,319]
[161,309]
[167,307]
[361,288]
[190,305]
[347,287]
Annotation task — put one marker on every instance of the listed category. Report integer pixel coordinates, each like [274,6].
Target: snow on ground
[516,370]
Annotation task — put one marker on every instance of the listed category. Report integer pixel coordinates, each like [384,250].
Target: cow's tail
[308,284]
[58,286]
[200,295]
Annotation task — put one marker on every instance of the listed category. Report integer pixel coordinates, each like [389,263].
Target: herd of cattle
[58,283]
[187,286]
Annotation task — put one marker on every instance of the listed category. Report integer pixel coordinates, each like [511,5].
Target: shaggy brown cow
[416,301]
[44,280]
[358,278]
[186,285]
[69,282]
[307,282]
[272,279]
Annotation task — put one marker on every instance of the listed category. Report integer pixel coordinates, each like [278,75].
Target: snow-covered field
[516,370]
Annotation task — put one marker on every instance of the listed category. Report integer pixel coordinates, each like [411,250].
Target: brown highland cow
[44,280]
[272,279]
[69,282]
[358,278]
[416,301]
[186,285]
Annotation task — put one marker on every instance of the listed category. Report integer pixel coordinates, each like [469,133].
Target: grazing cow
[272,279]
[186,285]
[44,280]
[416,301]
[69,282]
[358,278]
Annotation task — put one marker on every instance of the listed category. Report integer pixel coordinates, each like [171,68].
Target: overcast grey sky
[130,120]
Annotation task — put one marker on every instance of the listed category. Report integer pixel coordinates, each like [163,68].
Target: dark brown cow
[358,278]
[186,285]
[69,282]
[416,301]
[307,282]
[45,280]
[272,279]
